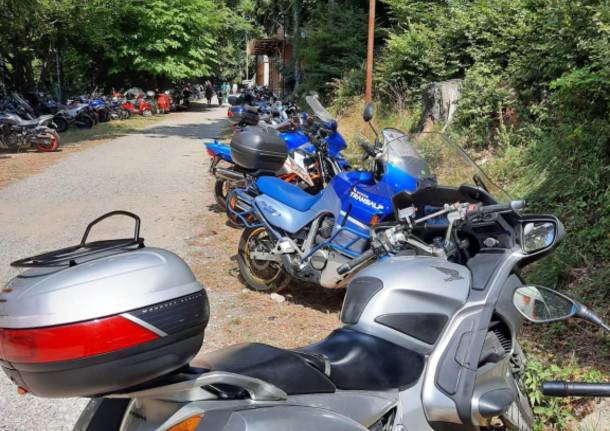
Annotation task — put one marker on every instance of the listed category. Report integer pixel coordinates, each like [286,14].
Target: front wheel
[260,275]
[519,416]
[48,141]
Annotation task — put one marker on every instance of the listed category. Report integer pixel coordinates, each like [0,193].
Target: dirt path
[160,173]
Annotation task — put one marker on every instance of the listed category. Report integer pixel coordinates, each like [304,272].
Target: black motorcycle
[19,129]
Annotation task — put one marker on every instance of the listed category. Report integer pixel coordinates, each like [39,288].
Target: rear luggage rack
[70,255]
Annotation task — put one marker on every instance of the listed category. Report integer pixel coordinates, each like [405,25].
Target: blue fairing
[220,150]
[294,139]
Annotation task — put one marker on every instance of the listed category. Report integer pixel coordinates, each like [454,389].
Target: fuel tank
[407,300]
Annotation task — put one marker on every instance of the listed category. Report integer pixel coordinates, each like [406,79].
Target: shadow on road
[217,129]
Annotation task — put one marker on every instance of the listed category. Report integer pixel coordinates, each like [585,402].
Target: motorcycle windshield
[318,109]
[434,158]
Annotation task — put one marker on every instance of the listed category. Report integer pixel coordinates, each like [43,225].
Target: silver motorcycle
[428,342]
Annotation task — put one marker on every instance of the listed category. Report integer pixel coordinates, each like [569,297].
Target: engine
[326,229]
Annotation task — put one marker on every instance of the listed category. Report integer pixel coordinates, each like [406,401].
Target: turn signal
[73,341]
[188,424]
[374,220]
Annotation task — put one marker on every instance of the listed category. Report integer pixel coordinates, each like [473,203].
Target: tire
[221,190]
[61,124]
[519,416]
[104,116]
[85,120]
[261,276]
[53,144]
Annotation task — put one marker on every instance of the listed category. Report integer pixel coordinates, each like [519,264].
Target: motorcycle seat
[29,123]
[292,372]
[360,361]
[346,359]
[287,193]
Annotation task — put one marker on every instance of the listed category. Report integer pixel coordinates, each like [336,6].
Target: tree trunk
[296,17]
[440,102]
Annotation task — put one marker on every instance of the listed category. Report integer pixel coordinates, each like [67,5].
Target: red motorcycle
[135,106]
[164,102]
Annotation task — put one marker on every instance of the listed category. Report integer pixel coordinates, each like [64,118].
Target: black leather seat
[359,361]
[289,371]
[346,359]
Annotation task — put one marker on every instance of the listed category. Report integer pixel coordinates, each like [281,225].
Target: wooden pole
[368,96]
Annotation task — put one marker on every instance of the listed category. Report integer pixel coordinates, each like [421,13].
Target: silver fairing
[109,285]
[412,284]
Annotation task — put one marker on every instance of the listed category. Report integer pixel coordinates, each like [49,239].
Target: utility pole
[368,96]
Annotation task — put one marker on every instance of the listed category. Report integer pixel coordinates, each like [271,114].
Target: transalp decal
[361,197]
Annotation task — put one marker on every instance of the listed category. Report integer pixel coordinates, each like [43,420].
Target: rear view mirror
[402,203]
[542,305]
[369,112]
[538,235]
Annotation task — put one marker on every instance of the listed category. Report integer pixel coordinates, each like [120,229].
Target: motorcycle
[19,130]
[428,342]
[164,102]
[302,167]
[292,234]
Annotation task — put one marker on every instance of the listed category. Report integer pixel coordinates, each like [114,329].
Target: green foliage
[83,44]
[554,410]
[329,49]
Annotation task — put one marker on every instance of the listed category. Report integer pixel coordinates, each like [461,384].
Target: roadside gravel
[160,173]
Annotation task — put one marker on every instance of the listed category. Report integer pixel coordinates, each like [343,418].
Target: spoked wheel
[260,275]
[147,113]
[50,142]
[221,190]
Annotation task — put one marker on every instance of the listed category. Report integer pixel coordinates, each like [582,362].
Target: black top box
[259,150]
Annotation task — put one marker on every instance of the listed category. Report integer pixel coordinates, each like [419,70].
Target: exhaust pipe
[229,174]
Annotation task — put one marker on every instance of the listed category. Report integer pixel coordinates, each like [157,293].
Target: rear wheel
[260,275]
[221,190]
[104,116]
[61,124]
[84,121]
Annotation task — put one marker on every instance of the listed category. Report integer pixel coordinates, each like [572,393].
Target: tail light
[72,341]
[230,114]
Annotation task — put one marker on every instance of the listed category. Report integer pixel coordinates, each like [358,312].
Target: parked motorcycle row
[34,121]
[430,252]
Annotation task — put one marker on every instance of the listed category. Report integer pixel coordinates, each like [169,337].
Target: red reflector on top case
[73,341]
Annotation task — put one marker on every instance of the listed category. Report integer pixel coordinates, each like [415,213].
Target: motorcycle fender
[278,418]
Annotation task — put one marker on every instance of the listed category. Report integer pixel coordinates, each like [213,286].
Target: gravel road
[159,173]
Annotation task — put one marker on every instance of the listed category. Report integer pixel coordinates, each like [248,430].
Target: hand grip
[575,389]
[348,266]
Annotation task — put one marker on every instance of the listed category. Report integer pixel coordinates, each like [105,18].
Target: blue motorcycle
[322,238]
[310,165]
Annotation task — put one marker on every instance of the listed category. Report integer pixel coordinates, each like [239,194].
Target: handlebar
[575,389]
[348,266]
[512,206]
